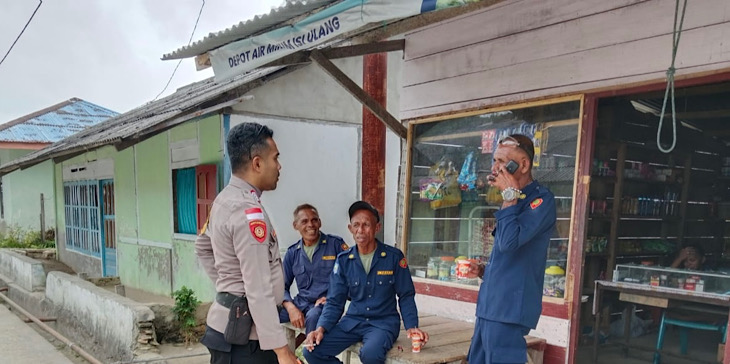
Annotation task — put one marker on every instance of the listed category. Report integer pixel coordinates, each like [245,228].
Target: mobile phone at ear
[511,166]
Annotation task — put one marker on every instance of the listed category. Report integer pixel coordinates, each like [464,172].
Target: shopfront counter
[656,296]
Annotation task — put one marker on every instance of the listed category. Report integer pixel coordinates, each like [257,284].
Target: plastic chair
[684,333]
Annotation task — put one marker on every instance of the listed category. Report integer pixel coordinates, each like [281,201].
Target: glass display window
[681,279]
[450,207]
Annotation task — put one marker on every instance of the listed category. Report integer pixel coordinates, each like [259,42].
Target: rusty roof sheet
[54,123]
[277,17]
[140,120]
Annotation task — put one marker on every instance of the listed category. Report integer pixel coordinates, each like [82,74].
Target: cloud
[105,52]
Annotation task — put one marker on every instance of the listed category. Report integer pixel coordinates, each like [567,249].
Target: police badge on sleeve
[256,223]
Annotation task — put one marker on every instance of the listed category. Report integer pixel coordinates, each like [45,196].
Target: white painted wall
[309,93]
[92,306]
[311,96]
[26,272]
[320,166]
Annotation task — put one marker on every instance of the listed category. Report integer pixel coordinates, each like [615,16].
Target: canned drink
[416,343]
[462,268]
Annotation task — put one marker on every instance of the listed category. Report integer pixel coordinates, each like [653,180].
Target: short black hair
[245,141]
[304,206]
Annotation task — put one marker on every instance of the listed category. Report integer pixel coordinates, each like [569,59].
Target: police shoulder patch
[258,230]
[403,263]
[536,203]
[344,246]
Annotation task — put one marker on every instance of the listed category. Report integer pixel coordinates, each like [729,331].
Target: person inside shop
[309,261]
[371,274]
[691,257]
[509,303]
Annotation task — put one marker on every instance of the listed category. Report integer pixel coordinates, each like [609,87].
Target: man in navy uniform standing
[510,297]
[309,261]
[371,274]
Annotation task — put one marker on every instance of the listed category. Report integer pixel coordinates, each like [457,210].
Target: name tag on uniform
[328,257]
[385,272]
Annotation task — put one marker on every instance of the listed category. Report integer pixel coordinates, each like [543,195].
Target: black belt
[225,299]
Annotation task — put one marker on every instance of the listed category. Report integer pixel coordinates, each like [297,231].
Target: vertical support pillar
[375,83]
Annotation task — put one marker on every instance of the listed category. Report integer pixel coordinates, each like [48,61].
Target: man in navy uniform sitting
[309,261]
[371,274]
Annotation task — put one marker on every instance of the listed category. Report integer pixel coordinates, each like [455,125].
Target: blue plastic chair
[684,333]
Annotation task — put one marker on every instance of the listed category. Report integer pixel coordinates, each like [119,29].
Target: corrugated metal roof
[144,119]
[277,17]
[54,123]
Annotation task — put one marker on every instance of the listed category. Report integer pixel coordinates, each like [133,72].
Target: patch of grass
[19,238]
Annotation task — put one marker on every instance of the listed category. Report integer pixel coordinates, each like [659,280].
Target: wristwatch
[510,194]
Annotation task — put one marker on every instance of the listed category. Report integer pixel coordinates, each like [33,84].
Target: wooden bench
[448,342]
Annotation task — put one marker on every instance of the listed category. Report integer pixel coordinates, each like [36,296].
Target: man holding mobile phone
[510,297]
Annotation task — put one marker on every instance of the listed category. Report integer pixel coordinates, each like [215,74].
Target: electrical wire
[40,2]
[180,61]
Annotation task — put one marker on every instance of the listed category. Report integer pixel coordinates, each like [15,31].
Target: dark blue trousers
[376,343]
[311,316]
[498,342]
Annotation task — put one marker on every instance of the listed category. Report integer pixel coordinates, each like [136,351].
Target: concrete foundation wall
[23,271]
[112,320]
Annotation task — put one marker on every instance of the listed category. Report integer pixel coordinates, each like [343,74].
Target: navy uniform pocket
[300,273]
[356,290]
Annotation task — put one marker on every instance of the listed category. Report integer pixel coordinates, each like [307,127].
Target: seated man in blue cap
[309,261]
[371,274]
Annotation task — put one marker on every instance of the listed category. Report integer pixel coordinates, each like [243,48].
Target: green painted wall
[60,212]
[7,155]
[211,150]
[22,191]
[125,190]
[185,131]
[188,271]
[143,197]
[148,268]
[154,195]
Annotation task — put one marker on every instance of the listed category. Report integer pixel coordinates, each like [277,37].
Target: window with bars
[81,204]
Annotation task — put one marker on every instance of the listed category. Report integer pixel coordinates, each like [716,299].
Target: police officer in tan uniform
[239,252]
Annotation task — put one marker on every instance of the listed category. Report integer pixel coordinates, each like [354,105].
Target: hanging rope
[670,82]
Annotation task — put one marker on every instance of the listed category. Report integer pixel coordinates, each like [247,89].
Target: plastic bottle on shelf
[433,267]
[445,268]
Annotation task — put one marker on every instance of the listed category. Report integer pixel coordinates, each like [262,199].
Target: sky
[105,52]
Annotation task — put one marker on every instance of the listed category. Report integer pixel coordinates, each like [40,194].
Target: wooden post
[43,220]
[375,70]
[618,192]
